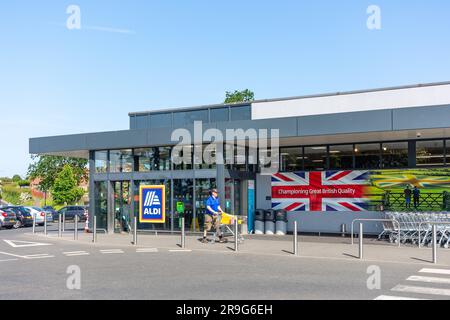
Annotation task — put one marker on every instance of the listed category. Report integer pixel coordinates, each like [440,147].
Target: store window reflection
[101,161]
[291,159]
[430,153]
[183,198]
[101,204]
[152,159]
[395,155]
[315,158]
[121,161]
[368,156]
[341,157]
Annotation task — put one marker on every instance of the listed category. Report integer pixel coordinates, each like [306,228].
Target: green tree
[239,96]
[47,168]
[16,178]
[65,189]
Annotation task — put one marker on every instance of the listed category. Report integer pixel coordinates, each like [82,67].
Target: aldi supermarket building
[342,156]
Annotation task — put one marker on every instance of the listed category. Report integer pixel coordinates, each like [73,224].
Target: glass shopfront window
[121,161]
[152,159]
[122,207]
[101,161]
[153,226]
[235,157]
[430,153]
[206,163]
[187,163]
[341,157]
[315,158]
[367,156]
[291,159]
[447,152]
[395,155]
[101,204]
[183,197]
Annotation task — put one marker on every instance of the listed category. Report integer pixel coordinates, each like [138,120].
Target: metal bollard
[343,230]
[183,235]
[361,239]
[34,223]
[236,235]
[94,230]
[64,222]
[135,241]
[434,230]
[59,225]
[295,238]
[45,224]
[75,232]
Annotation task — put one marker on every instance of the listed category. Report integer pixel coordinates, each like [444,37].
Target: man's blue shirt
[213,203]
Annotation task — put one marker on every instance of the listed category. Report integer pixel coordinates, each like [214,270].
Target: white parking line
[147,250]
[44,256]
[429,279]
[393,298]
[435,271]
[9,260]
[76,253]
[112,251]
[422,290]
[180,250]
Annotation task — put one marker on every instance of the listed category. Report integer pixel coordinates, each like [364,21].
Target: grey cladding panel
[118,139]
[422,117]
[58,143]
[351,122]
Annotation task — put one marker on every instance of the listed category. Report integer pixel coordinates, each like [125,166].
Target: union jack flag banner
[320,191]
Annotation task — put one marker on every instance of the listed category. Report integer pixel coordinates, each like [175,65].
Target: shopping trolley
[227,225]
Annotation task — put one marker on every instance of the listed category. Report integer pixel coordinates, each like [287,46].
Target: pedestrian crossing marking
[422,290]
[393,298]
[435,271]
[429,279]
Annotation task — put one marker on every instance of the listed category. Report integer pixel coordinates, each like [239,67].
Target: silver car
[8,219]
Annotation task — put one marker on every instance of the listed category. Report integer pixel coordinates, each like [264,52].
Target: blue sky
[56,81]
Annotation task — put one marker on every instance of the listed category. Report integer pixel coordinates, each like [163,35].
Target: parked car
[7,218]
[71,211]
[23,216]
[54,213]
[39,214]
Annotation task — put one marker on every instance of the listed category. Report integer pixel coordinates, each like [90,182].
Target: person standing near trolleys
[213,216]
[416,195]
[408,194]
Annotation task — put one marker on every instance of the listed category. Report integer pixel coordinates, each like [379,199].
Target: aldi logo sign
[152,201]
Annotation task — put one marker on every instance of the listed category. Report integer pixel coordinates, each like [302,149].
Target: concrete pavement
[263,269]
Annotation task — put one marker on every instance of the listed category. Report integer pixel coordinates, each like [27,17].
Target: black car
[71,211]
[23,216]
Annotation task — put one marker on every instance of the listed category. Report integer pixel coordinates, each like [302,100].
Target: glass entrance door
[122,207]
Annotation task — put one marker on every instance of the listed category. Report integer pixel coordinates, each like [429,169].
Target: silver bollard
[75,232]
[64,222]
[236,235]
[60,225]
[343,230]
[295,238]
[434,230]
[94,230]
[135,241]
[183,235]
[361,239]
[45,224]
[34,223]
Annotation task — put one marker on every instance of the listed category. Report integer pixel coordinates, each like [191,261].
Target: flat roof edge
[180,109]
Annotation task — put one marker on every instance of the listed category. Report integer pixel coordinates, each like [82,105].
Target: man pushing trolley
[213,216]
